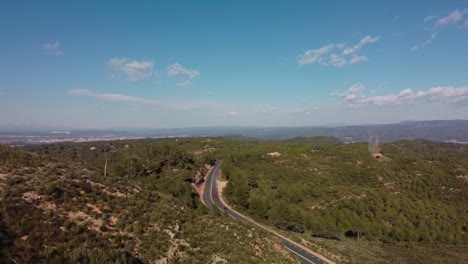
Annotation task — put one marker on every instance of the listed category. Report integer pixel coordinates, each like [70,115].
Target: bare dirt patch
[82,218]
[78,217]
[216,259]
[274,154]
[460,177]
[37,201]
[3,176]
[31,197]
[381,157]
[221,186]
[94,208]
[113,220]
[100,185]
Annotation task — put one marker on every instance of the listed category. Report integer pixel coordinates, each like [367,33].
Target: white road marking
[216,168]
[300,255]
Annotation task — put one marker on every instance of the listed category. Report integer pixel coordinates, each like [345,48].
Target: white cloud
[425,43]
[177,70]
[445,94]
[135,70]
[354,96]
[306,111]
[337,61]
[362,43]
[164,105]
[53,49]
[452,18]
[114,97]
[429,18]
[404,96]
[322,56]
[317,55]
[357,59]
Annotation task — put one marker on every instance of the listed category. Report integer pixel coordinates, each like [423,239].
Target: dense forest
[415,192]
[133,201]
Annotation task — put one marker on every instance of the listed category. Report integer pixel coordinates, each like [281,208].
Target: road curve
[212,188]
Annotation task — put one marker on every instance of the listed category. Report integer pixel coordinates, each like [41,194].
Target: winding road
[211,198]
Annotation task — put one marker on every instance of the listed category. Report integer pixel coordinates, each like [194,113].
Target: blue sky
[153,64]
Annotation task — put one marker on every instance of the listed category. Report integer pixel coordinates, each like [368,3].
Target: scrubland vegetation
[57,207]
[415,196]
[410,206]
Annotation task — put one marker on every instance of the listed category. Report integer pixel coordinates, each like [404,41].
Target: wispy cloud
[317,55]
[445,94]
[163,105]
[364,41]
[452,18]
[345,55]
[429,18]
[425,43]
[135,70]
[337,61]
[357,59]
[177,70]
[354,96]
[353,93]
[53,48]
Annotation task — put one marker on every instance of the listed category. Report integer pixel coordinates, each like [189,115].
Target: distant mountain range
[436,130]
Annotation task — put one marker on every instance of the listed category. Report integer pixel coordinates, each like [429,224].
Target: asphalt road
[212,188]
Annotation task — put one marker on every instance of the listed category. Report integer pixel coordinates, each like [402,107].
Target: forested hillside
[57,206]
[133,201]
[416,193]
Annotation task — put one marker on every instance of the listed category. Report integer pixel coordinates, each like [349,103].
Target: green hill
[338,195]
[409,206]
[58,207]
